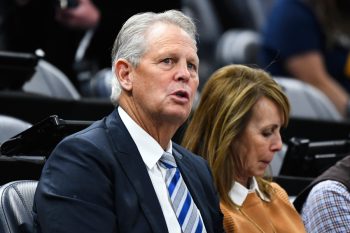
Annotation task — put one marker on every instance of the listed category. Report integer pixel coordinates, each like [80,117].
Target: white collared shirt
[239,193]
[151,152]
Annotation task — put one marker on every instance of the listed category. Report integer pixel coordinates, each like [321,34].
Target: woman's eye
[266,134]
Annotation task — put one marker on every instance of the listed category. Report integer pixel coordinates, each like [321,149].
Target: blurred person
[123,173]
[61,27]
[86,16]
[236,128]
[58,29]
[325,203]
[77,14]
[310,40]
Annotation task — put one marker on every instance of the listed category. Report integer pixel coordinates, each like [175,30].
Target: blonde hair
[223,113]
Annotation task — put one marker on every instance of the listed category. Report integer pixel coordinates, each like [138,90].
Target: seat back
[16,203]
[238,46]
[10,126]
[50,81]
[307,101]
[100,84]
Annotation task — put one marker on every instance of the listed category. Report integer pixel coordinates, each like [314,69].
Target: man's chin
[178,116]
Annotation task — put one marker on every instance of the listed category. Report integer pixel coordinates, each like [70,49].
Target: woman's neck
[245,181]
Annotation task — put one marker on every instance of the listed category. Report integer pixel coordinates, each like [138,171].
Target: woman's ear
[123,71]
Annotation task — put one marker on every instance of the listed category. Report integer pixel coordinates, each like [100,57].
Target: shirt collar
[239,193]
[148,147]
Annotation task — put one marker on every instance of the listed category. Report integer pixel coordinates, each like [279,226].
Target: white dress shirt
[151,152]
[239,193]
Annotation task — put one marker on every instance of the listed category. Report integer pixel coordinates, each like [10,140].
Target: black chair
[33,74]
[16,68]
[305,158]
[40,139]
[16,203]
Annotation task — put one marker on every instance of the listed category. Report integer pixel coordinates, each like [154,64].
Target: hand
[84,16]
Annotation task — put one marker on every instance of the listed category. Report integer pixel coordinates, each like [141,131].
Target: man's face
[165,81]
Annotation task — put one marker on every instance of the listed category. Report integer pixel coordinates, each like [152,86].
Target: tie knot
[167,160]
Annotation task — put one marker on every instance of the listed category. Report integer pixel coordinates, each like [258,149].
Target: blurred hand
[22,2]
[84,16]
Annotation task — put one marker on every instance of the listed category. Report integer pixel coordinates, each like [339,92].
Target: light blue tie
[183,204]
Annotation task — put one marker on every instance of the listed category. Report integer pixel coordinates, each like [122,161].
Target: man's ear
[123,70]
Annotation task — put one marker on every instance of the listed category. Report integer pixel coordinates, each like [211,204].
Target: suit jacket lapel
[193,184]
[130,159]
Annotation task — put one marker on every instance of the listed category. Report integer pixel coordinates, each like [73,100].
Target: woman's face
[260,140]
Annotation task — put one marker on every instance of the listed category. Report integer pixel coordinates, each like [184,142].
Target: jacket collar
[129,158]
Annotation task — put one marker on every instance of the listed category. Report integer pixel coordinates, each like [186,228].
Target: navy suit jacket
[95,181]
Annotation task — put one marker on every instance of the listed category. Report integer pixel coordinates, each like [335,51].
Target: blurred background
[55,72]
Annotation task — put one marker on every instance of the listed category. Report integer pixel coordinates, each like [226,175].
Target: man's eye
[191,66]
[167,60]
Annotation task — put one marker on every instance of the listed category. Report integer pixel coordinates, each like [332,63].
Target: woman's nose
[277,143]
